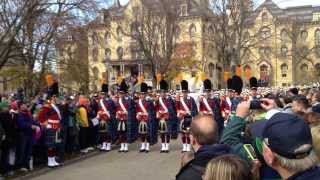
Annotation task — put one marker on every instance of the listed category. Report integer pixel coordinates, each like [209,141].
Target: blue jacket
[25,121]
[310,174]
[195,168]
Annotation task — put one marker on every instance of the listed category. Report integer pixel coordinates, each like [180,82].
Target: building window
[265,33]
[210,30]
[69,37]
[317,68]
[316,16]
[184,10]
[317,51]
[107,54]
[304,67]
[120,52]
[304,35]
[317,37]
[284,35]
[265,52]
[264,17]
[95,54]
[246,36]
[192,30]
[119,33]
[284,51]
[95,40]
[107,38]
[284,70]
[211,69]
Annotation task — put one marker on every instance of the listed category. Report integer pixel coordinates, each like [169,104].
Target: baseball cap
[285,134]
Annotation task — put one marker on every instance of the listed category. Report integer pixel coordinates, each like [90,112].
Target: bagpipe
[162,115]
[122,116]
[142,116]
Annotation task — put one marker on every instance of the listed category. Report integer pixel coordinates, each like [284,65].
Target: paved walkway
[119,166]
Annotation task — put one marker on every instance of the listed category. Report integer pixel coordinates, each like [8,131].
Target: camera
[255,104]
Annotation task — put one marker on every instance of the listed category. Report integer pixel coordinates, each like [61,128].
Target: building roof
[300,13]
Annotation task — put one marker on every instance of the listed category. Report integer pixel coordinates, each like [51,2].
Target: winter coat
[310,174]
[195,168]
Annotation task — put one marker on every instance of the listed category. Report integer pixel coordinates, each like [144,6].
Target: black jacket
[310,174]
[195,168]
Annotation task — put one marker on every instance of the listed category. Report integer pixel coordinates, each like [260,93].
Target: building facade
[113,53]
[283,45]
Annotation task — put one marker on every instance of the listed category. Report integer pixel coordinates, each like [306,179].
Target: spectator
[186,158]
[227,167]
[300,104]
[237,133]
[204,139]
[287,146]
[27,127]
[315,100]
[293,92]
[287,104]
[82,115]
[9,123]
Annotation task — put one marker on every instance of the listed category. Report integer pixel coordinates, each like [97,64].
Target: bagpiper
[145,115]
[166,116]
[209,105]
[253,88]
[106,117]
[125,115]
[50,118]
[186,110]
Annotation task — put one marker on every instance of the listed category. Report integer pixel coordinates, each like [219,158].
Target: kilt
[122,126]
[143,127]
[103,127]
[163,126]
[53,137]
[185,124]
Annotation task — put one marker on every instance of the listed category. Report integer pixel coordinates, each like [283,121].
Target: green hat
[4,105]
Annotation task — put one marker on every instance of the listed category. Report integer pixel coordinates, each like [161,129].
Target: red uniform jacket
[141,115]
[49,116]
[161,112]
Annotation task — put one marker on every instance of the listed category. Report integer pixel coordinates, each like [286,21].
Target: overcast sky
[281,3]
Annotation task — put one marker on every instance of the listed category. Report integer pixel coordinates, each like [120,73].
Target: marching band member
[145,114]
[50,117]
[166,115]
[125,117]
[208,105]
[186,110]
[106,116]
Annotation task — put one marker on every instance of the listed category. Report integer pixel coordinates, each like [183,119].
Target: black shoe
[142,150]
[162,151]
[146,151]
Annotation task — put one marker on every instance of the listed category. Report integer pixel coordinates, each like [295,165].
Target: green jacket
[232,136]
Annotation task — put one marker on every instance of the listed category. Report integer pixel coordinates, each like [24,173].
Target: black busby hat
[164,85]
[207,85]
[253,83]
[237,84]
[123,87]
[229,83]
[143,88]
[104,88]
[53,90]
[184,85]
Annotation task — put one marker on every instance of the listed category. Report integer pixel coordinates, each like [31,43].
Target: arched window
[264,17]
[211,69]
[304,67]
[120,52]
[177,31]
[95,39]
[246,36]
[107,54]
[265,32]
[107,38]
[95,72]
[119,33]
[192,30]
[317,68]
[304,35]
[284,51]
[317,37]
[264,70]
[69,52]
[210,29]
[284,70]
[95,53]
[284,35]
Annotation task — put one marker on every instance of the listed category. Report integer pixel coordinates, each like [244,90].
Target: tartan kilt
[163,126]
[53,137]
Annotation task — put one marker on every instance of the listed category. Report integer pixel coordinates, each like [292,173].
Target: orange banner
[158,77]
[226,76]
[238,71]
[140,79]
[248,73]
[49,80]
